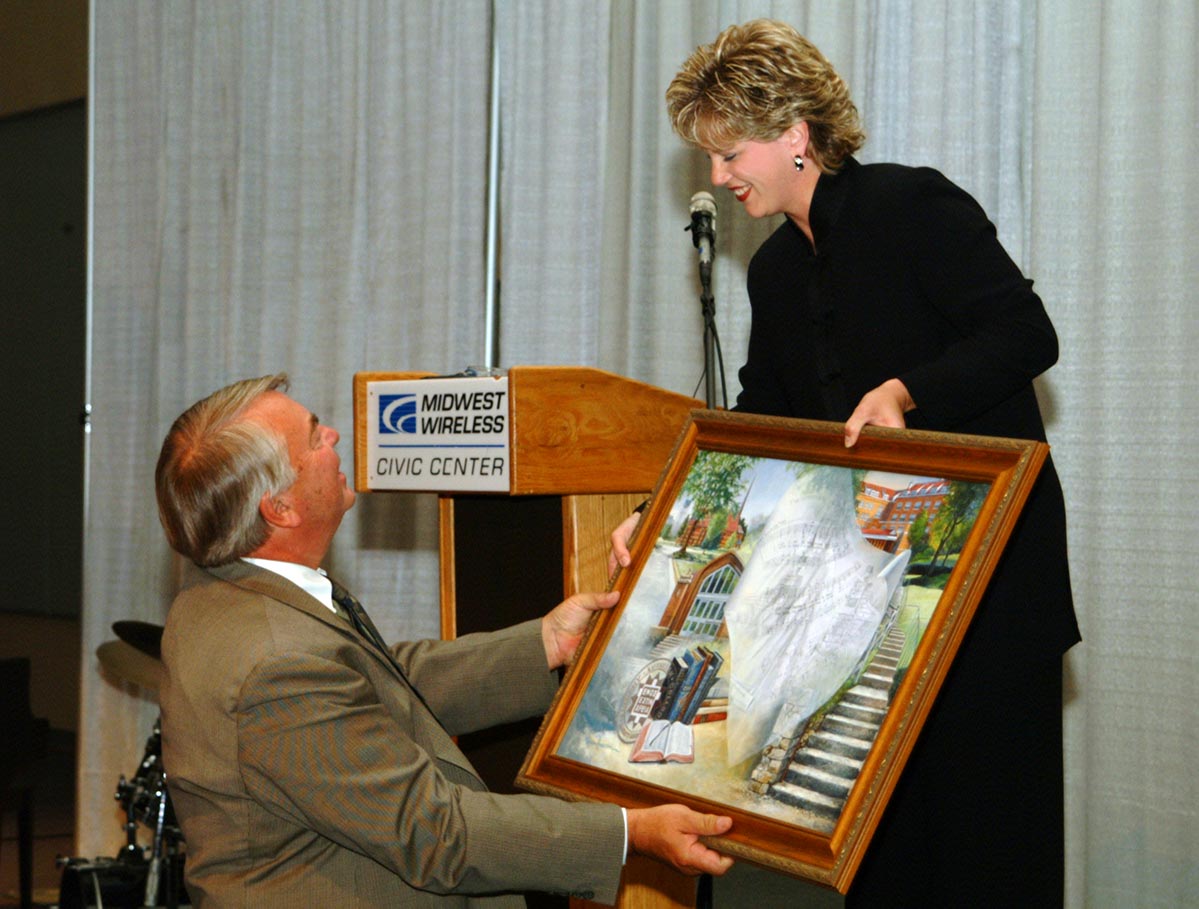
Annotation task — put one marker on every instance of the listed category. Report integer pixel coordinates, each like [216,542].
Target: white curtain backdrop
[301,186]
[277,186]
[1116,212]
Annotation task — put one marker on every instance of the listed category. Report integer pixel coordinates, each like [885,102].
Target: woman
[885,298]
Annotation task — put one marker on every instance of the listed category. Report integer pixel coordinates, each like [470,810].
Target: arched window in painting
[706,615]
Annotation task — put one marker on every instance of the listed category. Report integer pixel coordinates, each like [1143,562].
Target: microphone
[703,235]
[703,229]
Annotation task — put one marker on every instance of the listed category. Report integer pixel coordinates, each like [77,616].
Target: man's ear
[277,511]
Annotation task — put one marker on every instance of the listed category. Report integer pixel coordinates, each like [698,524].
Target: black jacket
[908,280]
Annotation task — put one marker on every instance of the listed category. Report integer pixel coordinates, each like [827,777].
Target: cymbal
[144,636]
[127,662]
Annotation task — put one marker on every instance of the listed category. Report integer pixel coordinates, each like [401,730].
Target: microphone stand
[707,304]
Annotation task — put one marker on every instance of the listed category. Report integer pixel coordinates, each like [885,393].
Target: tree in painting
[713,486]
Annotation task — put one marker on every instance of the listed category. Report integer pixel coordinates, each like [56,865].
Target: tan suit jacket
[305,772]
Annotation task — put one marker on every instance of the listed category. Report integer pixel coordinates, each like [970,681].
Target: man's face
[320,495]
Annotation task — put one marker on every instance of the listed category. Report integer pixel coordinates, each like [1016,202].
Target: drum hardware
[146,800]
[139,876]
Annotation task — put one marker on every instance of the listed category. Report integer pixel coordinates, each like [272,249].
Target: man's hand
[670,833]
[882,406]
[563,627]
[618,555]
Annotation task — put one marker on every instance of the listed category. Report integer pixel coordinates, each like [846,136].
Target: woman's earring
[799,162]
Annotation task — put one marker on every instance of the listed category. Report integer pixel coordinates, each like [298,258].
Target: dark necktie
[366,628]
[358,618]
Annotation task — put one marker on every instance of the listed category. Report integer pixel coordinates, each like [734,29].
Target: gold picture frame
[790,612]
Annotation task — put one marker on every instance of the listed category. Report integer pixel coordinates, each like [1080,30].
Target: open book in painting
[664,740]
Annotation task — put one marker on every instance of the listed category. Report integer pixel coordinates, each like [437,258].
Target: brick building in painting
[885,515]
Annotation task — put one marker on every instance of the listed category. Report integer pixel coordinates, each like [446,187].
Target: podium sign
[438,435]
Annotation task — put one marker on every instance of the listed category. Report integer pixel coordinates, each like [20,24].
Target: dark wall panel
[42,293]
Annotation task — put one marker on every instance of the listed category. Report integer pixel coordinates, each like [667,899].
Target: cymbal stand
[164,855]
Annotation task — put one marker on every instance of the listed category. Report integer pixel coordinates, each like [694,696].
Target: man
[309,766]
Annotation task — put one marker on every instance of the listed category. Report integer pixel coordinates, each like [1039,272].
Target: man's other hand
[671,834]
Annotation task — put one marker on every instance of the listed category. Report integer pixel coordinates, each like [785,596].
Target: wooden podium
[586,446]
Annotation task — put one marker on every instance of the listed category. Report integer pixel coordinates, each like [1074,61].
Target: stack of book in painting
[683,701]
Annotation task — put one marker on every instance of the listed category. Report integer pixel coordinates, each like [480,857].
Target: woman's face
[761,175]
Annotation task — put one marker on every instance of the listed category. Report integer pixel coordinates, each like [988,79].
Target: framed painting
[790,611]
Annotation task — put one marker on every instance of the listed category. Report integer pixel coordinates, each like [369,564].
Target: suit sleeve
[1005,336]
[481,680]
[318,748]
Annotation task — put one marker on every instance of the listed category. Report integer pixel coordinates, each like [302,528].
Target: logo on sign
[397,414]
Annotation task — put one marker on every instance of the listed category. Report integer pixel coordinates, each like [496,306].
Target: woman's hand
[618,555]
[563,627]
[882,406]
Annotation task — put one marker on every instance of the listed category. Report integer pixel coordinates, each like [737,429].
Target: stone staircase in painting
[822,771]
[669,646]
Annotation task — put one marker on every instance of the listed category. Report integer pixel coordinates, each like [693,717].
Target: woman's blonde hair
[756,81]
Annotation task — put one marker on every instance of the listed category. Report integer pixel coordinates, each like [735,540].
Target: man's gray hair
[213,471]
